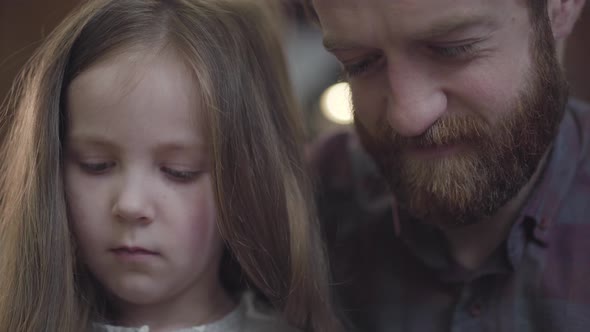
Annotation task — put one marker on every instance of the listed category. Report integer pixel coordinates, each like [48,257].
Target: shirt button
[475,309]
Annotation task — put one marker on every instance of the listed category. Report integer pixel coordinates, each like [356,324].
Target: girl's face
[137,181]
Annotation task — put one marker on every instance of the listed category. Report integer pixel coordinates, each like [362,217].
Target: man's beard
[499,160]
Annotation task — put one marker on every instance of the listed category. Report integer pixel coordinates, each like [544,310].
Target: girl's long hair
[263,196]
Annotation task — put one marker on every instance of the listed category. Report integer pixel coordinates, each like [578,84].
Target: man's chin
[438,154]
[443,211]
[445,191]
[448,217]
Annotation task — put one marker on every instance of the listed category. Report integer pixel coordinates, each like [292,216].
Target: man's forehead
[411,6]
[373,18]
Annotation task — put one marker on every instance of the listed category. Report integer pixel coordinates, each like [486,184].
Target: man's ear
[563,15]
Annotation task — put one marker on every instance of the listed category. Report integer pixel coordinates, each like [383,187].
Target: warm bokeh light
[336,104]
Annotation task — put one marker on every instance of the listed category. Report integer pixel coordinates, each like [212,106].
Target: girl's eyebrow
[178,145]
[94,141]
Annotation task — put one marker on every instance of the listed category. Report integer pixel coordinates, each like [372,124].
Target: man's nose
[416,99]
[132,202]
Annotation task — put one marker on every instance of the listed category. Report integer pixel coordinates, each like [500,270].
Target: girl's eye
[363,66]
[454,52]
[181,175]
[96,168]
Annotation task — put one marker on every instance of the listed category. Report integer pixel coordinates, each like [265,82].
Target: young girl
[151,171]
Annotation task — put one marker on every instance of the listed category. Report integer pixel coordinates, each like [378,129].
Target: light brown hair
[260,184]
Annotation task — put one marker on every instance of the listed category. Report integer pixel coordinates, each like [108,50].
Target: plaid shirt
[538,280]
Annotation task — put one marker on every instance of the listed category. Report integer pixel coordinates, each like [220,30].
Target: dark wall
[23,23]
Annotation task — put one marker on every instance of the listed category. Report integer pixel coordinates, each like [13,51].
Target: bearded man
[463,107]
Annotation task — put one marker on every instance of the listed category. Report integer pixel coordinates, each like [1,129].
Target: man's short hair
[537,9]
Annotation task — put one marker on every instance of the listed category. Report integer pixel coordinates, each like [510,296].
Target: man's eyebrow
[333,44]
[444,27]
[456,24]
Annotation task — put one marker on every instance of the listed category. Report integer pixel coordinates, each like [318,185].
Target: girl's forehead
[137,92]
[126,73]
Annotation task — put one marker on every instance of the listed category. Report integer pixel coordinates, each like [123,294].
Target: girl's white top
[246,317]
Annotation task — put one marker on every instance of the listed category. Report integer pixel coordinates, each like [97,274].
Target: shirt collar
[551,190]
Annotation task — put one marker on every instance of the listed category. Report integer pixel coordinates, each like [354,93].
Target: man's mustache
[445,131]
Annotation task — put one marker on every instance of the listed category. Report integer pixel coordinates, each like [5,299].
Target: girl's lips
[125,250]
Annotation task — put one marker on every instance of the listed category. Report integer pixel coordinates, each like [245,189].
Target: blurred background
[314,72]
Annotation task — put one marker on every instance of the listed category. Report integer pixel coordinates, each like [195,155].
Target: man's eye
[180,175]
[96,167]
[363,66]
[455,51]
